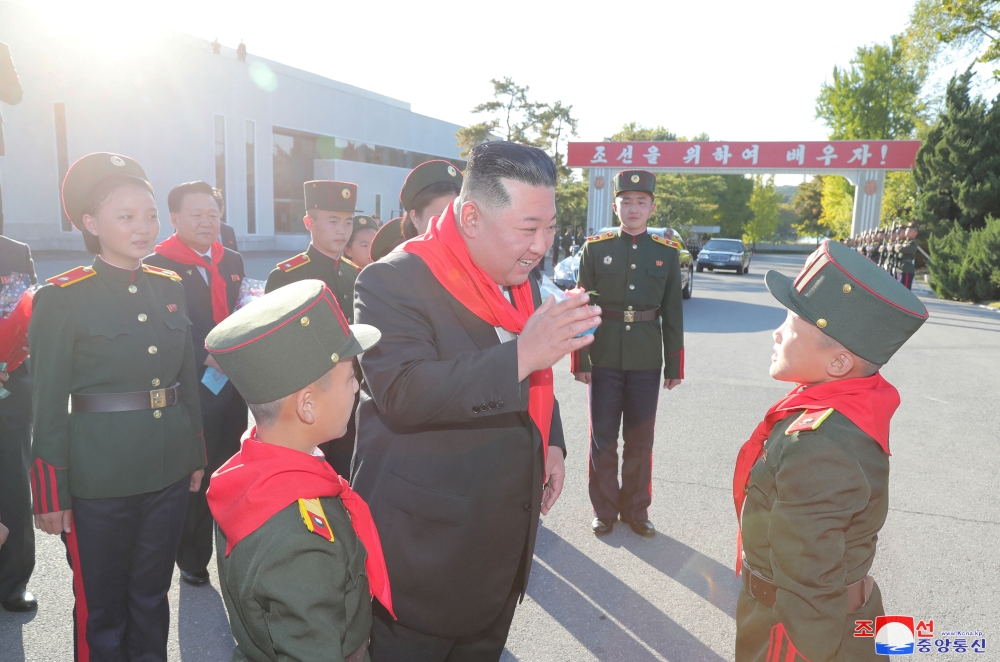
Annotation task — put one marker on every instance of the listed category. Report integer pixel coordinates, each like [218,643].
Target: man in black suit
[211,275]
[460,445]
[10,93]
[17,555]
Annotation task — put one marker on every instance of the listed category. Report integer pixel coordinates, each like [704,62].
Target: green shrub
[966,265]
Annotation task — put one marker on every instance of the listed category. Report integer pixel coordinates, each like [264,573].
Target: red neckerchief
[262,479]
[869,403]
[445,253]
[178,251]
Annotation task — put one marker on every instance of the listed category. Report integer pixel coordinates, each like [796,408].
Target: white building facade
[256,129]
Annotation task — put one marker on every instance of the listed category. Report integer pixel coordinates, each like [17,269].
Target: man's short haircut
[490,163]
[176,198]
[265,414]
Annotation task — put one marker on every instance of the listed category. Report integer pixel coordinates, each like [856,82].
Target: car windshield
[728,245]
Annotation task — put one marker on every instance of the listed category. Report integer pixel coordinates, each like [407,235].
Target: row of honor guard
[123,339]
[895,250]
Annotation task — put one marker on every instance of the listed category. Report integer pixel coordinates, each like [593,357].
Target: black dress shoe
[24,602]
[195,578]
[644,528]
[602,525]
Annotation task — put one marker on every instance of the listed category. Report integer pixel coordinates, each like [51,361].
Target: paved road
[625,598]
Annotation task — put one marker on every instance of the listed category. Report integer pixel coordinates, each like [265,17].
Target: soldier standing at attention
[211,275]
[426,193]
[114,476]
[811,484]
[298,553]
[637,278]
[330,209]
[907,252]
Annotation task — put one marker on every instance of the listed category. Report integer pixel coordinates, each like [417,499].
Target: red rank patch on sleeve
[172,307]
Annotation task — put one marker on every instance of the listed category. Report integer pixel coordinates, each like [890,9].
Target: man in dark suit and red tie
[460,444]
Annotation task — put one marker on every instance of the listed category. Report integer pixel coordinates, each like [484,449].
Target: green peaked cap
[286,340]
[852,300]
[425,174]
[331,196]
[635,180]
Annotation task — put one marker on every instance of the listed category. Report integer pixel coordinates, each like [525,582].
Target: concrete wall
[157,102]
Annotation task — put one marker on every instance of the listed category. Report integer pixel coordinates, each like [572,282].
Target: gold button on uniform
[633,266]
[631,287]
[821,323]
[628,328]
[156,382]
[304,321]
[847,288]
[152,349]
[335,357]
[635,246]
[157,413]
[133,289]
[142,317]
[630,307]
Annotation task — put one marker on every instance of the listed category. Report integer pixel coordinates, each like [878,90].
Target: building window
[251,180]
[62,158]
[294,153]
[220,155]
[378,206]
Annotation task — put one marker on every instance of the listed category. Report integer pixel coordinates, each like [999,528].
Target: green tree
[899,200]
[764,203]
[876,97]
[509,112]
[838,206]
[733,212]
[635,132]
[554,124]
[808,206]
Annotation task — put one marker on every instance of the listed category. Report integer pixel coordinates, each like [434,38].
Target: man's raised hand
[551,331]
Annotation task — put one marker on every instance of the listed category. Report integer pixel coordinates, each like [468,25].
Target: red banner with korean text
[738,156]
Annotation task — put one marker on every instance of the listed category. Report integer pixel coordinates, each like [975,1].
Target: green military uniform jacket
[294,595]
[634,273]
[102,329]
[815,504]
[339,275]
[907,257]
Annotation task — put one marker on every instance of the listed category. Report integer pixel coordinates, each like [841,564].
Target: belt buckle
[629,315]
[158,398]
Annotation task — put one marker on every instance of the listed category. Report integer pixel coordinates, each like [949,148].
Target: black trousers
[622,400]
[391,642]
[222,440]
[122,552]
[17,556]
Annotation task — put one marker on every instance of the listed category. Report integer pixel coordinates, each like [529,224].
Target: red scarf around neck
[445,253]
[176,250]
[869,403]
[262,479]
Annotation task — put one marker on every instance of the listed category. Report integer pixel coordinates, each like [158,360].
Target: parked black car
[566,272]
[724,254]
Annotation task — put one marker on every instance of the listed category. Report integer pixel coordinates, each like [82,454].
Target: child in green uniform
[811,483]
[299,556]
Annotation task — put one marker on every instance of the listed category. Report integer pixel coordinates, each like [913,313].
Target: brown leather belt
[105,402]
[358,655]
[630,315]
[762,590]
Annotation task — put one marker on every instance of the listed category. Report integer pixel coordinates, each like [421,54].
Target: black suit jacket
[447,456]
[227,236]
[10,87]
[198,297]
[15,409]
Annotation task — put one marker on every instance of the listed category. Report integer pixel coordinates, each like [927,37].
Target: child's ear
[305,406]
[841,365]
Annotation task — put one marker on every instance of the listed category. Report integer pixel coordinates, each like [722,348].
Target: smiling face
[126,225]
[330,230]
[633,209]
[198,221]
[508,243]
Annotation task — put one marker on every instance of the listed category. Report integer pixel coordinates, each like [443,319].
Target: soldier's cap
[425,174]
[363,221]
[635,180]
[331,196]
[852,300]
[84,175]
[286,340]
[387,238]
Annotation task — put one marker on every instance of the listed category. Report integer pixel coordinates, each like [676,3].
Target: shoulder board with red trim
[663,240]
[166,273]
[72,276]
[294,263]
[315,519]
[809,421]
[349,263]
[602,237]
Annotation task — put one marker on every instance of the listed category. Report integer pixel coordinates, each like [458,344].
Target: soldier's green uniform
[338,273]
[116,344]
[907,260]
[638,284]
[815,474]
[297,553]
